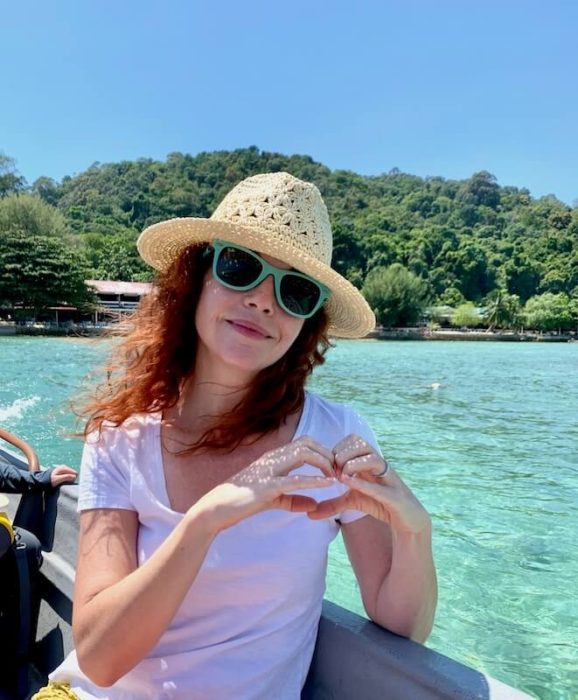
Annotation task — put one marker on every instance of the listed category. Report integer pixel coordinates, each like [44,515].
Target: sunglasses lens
[299,295]
[240,269]
[237,268]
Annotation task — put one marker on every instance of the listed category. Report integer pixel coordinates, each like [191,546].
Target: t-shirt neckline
[301,429]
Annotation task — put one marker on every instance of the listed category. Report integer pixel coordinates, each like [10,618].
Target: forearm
[14,480]
[115,629]
[407,598]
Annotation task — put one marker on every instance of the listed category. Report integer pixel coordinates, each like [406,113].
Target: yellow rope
[55,691]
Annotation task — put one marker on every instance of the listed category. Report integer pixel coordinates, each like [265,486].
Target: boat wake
[17,408]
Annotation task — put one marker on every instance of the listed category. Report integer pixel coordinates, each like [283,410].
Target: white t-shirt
[247,626]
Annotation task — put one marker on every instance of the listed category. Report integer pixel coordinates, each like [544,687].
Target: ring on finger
[385,469]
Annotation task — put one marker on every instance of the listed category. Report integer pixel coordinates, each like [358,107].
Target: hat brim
[349,314]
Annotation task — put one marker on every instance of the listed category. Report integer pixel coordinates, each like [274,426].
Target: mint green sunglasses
[242,269]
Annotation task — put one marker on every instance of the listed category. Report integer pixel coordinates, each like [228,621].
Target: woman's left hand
[374,488]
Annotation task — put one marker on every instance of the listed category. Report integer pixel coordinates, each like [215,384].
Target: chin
[247,362]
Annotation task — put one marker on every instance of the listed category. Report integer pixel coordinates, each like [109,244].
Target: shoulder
[337,420]
[332,413]
[123,444]
[130,432]
[114,460]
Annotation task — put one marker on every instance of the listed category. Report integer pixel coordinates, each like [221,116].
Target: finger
[367,464]
[350,448]
[63,479]
[379,491]
[345,442]
[330,507]
[299,454]
[297,503]
[62,475]
[314,453]
[303,441]
[295,483]
[63,469]
[315,445]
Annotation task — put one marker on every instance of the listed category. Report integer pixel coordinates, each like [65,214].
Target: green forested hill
[465,238]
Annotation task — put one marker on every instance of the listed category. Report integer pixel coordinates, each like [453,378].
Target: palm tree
[502,310]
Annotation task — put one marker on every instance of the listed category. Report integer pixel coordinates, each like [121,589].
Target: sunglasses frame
[267,270]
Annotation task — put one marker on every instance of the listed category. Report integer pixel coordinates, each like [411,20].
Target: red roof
[137,289]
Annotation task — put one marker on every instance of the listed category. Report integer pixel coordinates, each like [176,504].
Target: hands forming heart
[373,487]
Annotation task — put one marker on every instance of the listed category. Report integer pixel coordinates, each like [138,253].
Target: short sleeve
[358,426]
[104,472]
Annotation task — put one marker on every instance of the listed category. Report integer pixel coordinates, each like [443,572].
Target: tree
[548,312]
[28,214]
[573,307]
[482,189]
[470,266]
[452,297]
[115,257]
[47,189]
[397,296]
[37,272]
[466,315]
[10,179]
[347,256]
[522,273]
[502,310]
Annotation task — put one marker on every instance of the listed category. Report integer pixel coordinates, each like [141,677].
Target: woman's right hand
[267,483]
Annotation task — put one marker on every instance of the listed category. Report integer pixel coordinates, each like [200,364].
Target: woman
[212,483]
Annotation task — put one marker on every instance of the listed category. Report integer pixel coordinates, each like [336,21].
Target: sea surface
[486,434]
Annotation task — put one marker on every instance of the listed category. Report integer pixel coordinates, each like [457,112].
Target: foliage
[549,312]
[452,297]
[40,264]
[115,257]
[29,214]
[47,189]
[10,179]
[37,272]
[466,315]
[502,310]
[466,239]
[397,296]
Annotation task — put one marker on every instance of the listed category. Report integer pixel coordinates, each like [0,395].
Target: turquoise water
[491,451]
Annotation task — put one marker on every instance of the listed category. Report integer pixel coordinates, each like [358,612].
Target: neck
[208,393]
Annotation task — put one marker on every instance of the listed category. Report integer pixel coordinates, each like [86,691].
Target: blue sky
[433,87]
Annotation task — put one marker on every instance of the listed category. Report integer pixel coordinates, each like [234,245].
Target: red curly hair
[146,372]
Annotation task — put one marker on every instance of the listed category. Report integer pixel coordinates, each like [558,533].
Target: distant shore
[469,335]
[11,329]
[419,333]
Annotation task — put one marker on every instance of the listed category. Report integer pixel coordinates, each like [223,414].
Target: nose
[262,297]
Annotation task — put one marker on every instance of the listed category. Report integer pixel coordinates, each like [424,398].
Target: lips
[248,328]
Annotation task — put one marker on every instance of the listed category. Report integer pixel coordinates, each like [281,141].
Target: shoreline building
[113,300]
[116,298]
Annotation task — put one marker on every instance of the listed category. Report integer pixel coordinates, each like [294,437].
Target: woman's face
[242,332]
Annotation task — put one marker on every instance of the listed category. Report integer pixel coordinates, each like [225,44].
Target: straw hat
[278,215]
